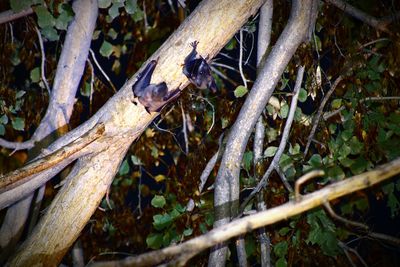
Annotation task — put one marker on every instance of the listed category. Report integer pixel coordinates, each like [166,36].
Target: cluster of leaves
[10,113]
[51,17]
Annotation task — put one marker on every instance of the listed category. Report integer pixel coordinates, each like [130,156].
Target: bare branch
[42,65]
[101,70]
[9,15]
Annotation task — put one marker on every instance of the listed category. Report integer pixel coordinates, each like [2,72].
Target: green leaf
[112,33]
[203,228]
[284,111]
[124,168]
[35,75]
[180,208]
[284,231]
[359,166]
[2,129]
[131,6]
[113,11]
[18,123]
[138,15]
[50,33]
[106,49]
[240,91]
[346,135]
[154,240]
[162,221]
[19,5]
[303,95]
[294,150]
[315,161]
[280,249]
[136,161]
[188,232]
[158,201]
[85,89]
[337,103]
[45,18]
[174,214]
[247,160]
[104,3]
[394,205]
[4,119]
[281,262]
[154,152]
[355,146]
[20,93]
[250,246]
[231,44]
[65,17]
[270,151]
[336,173]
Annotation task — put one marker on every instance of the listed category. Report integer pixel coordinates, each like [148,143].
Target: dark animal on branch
[197,70]
[152,96]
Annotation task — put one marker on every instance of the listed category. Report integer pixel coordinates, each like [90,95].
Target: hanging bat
[152,96]
[197,70]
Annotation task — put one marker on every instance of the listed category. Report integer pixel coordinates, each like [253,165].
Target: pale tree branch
[226,192]
[183,252]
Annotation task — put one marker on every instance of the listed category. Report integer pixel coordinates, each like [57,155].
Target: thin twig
[241,58]
[42,70]
[319,113]
[344,220]
[355,252]
[91,85]
[184,130]
[223,76]
[284,179]
[101,70]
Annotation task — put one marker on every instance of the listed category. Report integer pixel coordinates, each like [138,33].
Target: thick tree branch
[186,250]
